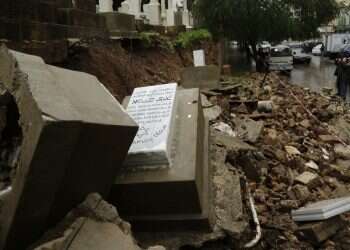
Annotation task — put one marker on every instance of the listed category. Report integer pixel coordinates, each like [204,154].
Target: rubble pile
[299,155]
[94,224]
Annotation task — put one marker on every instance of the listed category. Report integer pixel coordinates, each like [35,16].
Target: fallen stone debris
[298,155]
[248,163]
[94,224]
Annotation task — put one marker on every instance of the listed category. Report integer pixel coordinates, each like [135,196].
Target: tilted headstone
[175,197]
[198,58]
[152,108]
[75,136]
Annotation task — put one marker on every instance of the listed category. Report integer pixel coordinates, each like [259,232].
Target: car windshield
[278,52]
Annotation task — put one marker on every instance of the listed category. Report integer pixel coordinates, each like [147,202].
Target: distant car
[299,57]
[281,59]
[317,50]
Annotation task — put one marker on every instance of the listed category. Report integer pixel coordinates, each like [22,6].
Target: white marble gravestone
[198,58]
[322,210]
[153,12]
[105,5]
[152,108]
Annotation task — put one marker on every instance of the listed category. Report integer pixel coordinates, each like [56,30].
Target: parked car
[309,45]
[299,57]
[281,59]
[317,50]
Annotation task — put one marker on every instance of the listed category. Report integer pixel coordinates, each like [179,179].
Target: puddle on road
[319,74]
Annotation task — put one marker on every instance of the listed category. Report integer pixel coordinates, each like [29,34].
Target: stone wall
[49,20]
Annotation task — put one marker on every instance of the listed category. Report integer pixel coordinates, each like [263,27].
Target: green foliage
[149,39]
[154,39]
[192,38]
[253,21]
[311,14]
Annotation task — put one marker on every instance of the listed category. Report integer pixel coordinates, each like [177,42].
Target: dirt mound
[122,67]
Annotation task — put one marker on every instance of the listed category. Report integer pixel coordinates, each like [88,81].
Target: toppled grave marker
[175,196]
[152,109]
[322,210]
[73,143]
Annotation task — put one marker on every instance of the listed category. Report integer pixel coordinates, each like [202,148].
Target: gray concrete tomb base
[174,198]
[201,77]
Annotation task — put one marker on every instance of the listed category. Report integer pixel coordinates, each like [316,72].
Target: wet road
[316,75]
[319,74]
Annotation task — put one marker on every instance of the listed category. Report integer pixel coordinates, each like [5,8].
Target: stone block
[47,12]
[34,10]
[87,5]
[119,21]
[141,27]
[78,32]
[15,30]
[54,51]
[342,151]
[75,135]
[247,129]
[200,77]
[76,17]
[10,30]
[308,178]
[166,198]
[94,224]
[317,232]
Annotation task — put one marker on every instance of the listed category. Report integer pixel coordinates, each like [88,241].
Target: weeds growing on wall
[192,38]
[153,40]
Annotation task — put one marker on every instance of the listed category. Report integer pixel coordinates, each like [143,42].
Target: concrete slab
[201,77]
[15,30]
[77,17]
[119,22]
[166,197]
[87,5]
[75,135]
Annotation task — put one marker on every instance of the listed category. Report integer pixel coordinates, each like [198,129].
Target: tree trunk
[221,45]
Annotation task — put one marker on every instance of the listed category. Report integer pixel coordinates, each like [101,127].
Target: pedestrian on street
[343,74]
